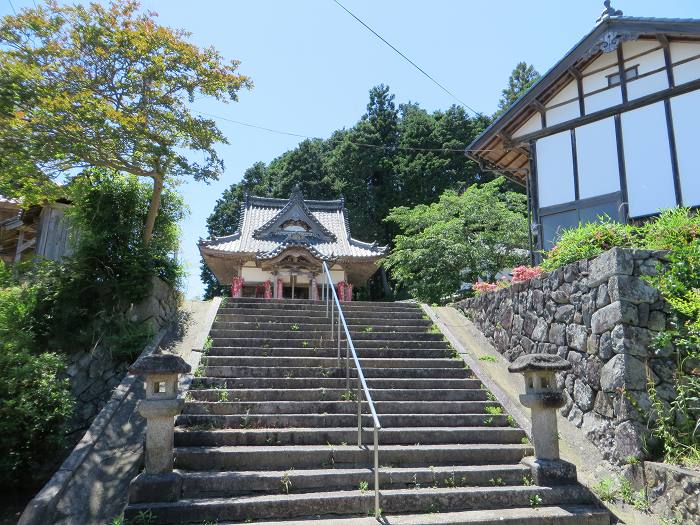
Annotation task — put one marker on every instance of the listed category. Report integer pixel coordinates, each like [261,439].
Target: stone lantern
[543,398]
[158,482]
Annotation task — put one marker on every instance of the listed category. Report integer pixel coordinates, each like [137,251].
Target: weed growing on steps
[613,489]
[223,396]
[119,520]
[488,421]
[433,329]
[487,358]
[433,508]
[605,490]
[511,421]
[494,411]
[525,440]
[368,329]
[535,500]
[363,487]
[451,481]
[208,343]
[295,327]
[527,481]
[245,420]
[305,344]
[286,481]
[348,395]
[497,482]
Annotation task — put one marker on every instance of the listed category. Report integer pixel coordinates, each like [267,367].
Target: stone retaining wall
[94,374]
[601,316]
[673,492]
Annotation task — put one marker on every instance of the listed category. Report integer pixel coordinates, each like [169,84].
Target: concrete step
[335,394]
[338,420]
[330,382]
[305,304]
[335,456]
[285,314]
[387,325]
[429,500]
[186,437]
[310,351]
[278,371]
[226,484]
[367,363]
[550,515]
[233,407]
[360,343]
[286,333]
[311,317]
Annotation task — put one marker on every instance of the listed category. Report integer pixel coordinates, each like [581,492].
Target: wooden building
[37,231]
[609,130]
[281,244]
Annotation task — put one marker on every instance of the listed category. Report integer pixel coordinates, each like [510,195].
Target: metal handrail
[361,383]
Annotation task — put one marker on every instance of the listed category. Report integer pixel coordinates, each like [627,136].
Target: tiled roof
[260,212]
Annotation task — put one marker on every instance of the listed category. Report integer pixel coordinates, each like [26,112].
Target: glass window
[552,225]
[594,213]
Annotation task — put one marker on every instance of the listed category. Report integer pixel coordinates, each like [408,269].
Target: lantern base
[148,488]
[550,472]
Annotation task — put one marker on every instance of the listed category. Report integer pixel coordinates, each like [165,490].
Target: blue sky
[312,65]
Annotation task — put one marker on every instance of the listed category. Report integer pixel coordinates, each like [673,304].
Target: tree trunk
[153,208]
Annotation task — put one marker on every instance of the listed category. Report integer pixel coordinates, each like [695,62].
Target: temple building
[281,244]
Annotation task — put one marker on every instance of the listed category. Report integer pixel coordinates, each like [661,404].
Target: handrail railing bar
[341,318]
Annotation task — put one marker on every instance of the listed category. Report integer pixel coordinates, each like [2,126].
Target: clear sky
[312,65]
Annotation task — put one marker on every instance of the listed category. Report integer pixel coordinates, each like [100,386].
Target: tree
[457,239]
[392,156]
[521,79]
[107,87]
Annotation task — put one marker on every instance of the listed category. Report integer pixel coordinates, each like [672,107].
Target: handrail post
[338,331]
[347,365]
[332,321]
[376,473]
[359,412]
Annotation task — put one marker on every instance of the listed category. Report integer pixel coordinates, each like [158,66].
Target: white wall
[683,73]
[555,169]
[686,116]
[647,160]
[569,109]
[596,155]
[534,123]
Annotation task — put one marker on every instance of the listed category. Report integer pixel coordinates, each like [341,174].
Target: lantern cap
[539,362]
[159,364]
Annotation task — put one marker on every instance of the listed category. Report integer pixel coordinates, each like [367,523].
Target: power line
[360,144]
[12,6]
[380,37]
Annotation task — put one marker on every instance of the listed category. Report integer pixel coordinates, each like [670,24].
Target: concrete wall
[601,316]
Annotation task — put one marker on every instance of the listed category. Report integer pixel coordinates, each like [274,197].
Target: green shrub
[35,405]
[675,227]
[586,241]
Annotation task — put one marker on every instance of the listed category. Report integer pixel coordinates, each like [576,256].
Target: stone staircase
[269,431]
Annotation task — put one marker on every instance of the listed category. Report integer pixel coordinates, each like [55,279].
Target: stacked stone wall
[602,316]
[94,373]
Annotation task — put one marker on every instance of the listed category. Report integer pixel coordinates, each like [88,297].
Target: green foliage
[373,164]
[457,239]
[677,423]
[521,79]
[35,399]
[588,240]
[84,300]
[106,87]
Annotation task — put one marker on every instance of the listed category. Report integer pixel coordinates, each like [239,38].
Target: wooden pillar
[274,285]
[313,290]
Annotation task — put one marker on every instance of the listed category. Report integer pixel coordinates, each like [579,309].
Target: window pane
[552,225]
[647,160]
[555,169]
[596,155]
[594,213]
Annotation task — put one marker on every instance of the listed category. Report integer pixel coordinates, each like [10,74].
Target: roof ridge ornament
[608,12]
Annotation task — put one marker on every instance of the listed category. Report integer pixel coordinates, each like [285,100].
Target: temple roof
[269,226]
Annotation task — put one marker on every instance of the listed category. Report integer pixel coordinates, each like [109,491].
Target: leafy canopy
[521,79]
[392,156]
[458,239]
[105,86]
